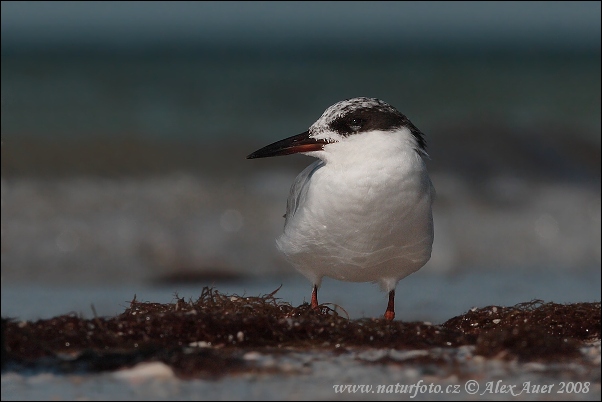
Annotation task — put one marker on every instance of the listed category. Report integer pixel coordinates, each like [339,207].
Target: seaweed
[208,337]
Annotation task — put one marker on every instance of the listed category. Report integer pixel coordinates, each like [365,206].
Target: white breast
[363,213]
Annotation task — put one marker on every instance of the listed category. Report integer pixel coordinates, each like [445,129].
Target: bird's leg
[390,313]
[314,298]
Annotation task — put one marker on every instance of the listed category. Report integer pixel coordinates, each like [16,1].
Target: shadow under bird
[362,212]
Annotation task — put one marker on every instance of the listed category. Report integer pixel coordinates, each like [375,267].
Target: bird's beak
[292,145]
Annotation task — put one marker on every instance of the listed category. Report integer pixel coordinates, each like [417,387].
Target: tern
[363,211]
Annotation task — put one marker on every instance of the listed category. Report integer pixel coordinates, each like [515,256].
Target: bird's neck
[375,151]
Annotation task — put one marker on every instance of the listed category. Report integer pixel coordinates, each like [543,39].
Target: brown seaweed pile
[209,336]
[531,330]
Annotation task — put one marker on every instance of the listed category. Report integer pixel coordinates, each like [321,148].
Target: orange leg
[390,313]
[314,298]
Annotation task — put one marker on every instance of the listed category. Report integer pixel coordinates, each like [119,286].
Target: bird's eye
[355,124]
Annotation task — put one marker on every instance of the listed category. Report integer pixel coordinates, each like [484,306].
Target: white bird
[362,212]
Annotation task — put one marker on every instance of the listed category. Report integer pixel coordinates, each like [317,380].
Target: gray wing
[299,189]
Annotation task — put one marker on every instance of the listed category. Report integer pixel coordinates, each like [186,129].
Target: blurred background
[125,127]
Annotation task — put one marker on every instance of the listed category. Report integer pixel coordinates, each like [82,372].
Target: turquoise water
[206,95]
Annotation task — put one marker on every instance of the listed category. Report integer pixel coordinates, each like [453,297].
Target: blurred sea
[127,168]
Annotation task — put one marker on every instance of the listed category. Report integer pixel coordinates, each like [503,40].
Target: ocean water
[123,168]
[210,95]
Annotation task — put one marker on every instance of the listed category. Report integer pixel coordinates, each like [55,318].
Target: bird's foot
[314,298]
[390,313]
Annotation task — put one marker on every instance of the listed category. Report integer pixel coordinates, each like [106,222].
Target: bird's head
[343,122]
